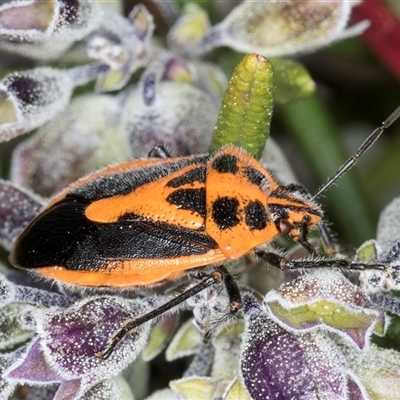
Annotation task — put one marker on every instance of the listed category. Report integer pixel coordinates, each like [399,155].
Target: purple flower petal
[277,364]
[69,390]
[41,297]
[34,368]
[17,209]
[129,49]
[29,99]
[142,21]
[72,338]
[36,95]
[355,391]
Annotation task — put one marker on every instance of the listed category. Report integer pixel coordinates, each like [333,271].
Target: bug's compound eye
[285,226]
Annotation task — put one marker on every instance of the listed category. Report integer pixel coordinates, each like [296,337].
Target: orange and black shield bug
[144,222]
[135,225]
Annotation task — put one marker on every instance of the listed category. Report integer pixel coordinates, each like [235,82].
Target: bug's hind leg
[219,274]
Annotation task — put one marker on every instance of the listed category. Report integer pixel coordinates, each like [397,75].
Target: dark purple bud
[36,96]
[45,29]
[273,362]
[29,99]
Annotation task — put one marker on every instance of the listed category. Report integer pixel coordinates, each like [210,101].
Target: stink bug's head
[293,211]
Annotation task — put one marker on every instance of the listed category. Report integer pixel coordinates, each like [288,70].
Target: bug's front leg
[285,264]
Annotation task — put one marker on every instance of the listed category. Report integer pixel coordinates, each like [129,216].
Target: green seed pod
[246,111]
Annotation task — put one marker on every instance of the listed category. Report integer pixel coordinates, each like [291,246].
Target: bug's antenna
[371,139]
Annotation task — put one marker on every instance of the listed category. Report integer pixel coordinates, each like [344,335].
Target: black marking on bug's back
[256,177]
[126,182]
[297,188]
[279,209]
[225,212]
[190,177]
[255,215]
[164,240]
[282,193]
[189,199]
[63,236]
[226,163]
[286,192]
